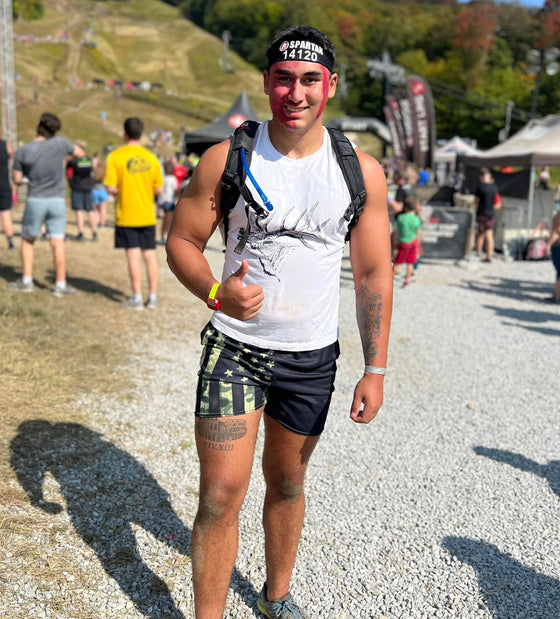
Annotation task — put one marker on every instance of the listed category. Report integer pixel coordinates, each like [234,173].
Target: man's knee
[221,501]
[285,489]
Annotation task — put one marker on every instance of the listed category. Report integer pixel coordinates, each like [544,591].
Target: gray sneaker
[283,608]
[132,303]
[60,292]
[151,303]
[21,286]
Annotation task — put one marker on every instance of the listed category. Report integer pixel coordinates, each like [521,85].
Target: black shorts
[130,238]
[82,201]
[295,388]
[5,201]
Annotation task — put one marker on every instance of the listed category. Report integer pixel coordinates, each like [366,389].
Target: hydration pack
[233,179]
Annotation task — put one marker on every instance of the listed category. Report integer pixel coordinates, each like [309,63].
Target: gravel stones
[445,506]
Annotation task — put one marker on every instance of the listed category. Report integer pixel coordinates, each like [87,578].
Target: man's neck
[133,143]
[298,143]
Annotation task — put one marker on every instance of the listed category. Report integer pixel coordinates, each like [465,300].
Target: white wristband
[372,369]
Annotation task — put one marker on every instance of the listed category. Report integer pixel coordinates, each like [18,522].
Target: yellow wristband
[213,291]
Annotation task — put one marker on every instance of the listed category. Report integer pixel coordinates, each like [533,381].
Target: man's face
[298,91]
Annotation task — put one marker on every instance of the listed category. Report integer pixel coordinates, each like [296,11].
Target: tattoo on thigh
[219,434]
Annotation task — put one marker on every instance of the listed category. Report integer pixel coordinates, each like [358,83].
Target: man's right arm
[195,218]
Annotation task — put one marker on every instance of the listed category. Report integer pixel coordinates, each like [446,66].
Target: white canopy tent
[456,146]
[536,145]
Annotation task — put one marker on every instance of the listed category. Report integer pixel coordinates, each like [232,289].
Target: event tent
[220,128]
[450,150]
[537,144]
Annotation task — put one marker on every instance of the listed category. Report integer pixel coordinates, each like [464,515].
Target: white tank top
[295,252]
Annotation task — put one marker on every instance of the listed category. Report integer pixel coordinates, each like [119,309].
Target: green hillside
[58,57]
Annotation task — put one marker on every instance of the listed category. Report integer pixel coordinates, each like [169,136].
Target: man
[42,161]
[404,190]
[81,181]
[133,175]
[6,193]
[487,200]
[272,345]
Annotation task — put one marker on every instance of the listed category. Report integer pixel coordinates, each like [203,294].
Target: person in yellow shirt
[133,174]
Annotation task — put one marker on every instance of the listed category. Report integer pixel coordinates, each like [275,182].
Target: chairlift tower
[7,87]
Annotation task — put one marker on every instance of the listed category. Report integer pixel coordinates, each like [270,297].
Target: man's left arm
[370,256]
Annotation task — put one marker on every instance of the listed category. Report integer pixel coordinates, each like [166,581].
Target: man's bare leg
[489,244]
[152,268]
[135,269]
[27,256]
[285,460]
[59,257]
[226,446]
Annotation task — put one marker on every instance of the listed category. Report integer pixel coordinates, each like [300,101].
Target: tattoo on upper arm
[219,434]
[370,311]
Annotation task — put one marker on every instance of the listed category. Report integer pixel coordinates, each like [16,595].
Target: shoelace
[288,609]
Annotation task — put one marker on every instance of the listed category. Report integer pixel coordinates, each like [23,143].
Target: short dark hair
[409,204]
[168,167]
[49,125]
[307,33]
[133,127]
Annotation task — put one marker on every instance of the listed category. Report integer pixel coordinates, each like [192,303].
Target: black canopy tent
[220,128]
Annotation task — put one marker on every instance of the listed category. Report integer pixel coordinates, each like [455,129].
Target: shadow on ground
[508,588]
[519,290]
[550,471]
[11,274]
[107,490]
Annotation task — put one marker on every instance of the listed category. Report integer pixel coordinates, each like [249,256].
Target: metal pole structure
[531,198]
[8,96]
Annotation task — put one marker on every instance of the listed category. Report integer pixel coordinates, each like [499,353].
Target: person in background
[167,198]
[487,201]
[409,228]
[133,175]
[423,177]
[544,177]
[6,192]
[99,193]
[80,179]
[553,250]
[43,161]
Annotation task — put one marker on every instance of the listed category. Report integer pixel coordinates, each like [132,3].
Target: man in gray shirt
[42,161]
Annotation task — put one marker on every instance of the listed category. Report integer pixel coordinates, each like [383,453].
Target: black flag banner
[399,126]
[395,139]
[423,120]
[406,116]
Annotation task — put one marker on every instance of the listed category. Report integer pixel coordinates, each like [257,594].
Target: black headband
[299,50]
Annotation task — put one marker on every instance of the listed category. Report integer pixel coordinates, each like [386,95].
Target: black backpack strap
[233,177]
[352,172]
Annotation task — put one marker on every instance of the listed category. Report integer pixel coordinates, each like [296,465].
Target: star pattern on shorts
[229,373]
[244,379]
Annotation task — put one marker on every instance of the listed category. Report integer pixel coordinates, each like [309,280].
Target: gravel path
[447,505]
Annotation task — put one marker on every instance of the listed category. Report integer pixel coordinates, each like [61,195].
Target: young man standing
[271,345]
[80,178]
[133,175]
[487,200]
[42,161]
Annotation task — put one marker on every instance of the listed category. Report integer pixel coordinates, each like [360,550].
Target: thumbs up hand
[236,299]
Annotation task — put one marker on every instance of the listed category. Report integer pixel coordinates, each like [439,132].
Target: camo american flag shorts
[295,388]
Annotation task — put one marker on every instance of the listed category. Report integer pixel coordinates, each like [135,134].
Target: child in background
[408,225]
[167,198]
[99,193]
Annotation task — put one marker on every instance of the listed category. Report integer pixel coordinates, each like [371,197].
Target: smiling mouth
[294,110]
